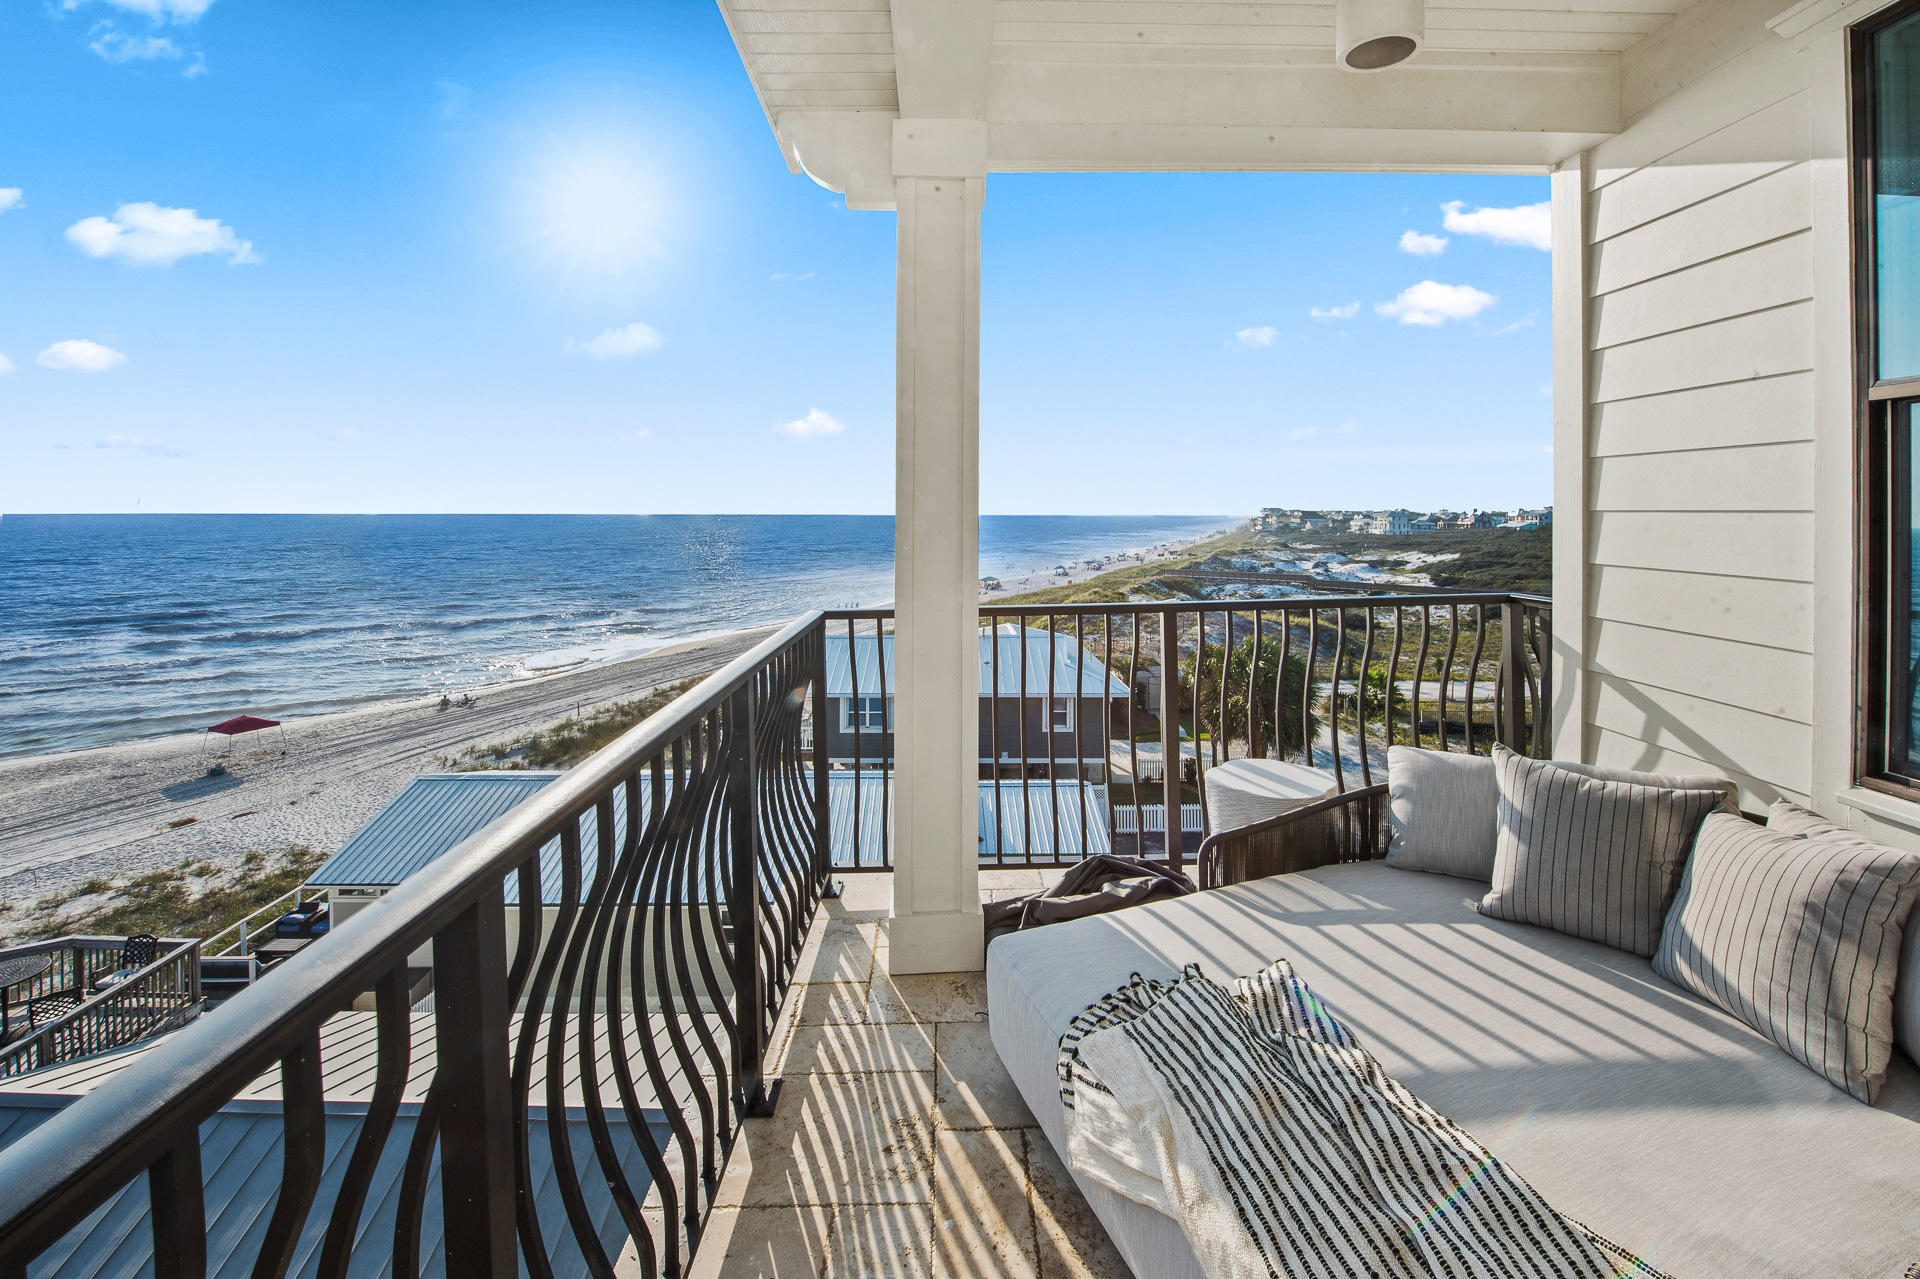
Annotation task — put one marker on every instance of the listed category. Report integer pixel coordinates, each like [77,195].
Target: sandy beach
[1040,579]
[120,810]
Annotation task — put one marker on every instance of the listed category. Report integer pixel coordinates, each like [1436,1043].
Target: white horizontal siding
[1772,681]
[1623,750]
[1770,275]
[1732,739]
[1697,639]
[1769,544]
[1758,411]
[1753,610]
[1779,476]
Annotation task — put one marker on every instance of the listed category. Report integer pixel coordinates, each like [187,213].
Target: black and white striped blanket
[1250,1116]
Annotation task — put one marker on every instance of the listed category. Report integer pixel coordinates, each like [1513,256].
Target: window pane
[1896,196]
[1904,643]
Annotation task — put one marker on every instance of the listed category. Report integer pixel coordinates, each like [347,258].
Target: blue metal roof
[435,813]
[1002,831]
[1076,671]
[241,1155]
[431,816]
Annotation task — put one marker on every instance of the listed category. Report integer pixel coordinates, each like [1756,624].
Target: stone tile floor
[900,1148]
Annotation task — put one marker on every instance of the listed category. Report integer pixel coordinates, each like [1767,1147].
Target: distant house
[1050,717]
[1424,523]
[1542,518]
[1489,519]
[1391,523]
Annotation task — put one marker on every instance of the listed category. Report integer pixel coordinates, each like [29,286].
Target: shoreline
[146,805]
[117,810]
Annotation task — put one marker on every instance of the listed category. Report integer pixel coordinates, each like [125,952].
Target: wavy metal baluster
[1419,672]
[1333,702]
[303,1126]
[1473,664]
[1306,687]
[1280,685]
[394,1039]
[1133,739]
[1254,743]
[622,900]
[1360,702]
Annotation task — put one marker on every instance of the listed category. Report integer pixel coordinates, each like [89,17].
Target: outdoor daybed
[1633,1107]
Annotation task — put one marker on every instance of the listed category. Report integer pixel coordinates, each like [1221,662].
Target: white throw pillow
[1442,808]
[1791,819]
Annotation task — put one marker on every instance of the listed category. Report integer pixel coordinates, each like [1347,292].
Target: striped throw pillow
[1589,856]
[1797,937]
[1790,819]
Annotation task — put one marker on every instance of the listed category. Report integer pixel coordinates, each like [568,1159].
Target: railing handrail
[55,1174]
[206,944]
[1122,607]
[179,949]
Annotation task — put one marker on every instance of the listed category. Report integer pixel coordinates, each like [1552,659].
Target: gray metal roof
[436,812]
[432,815]
[241,1167]
[1076,671]
[1007,836]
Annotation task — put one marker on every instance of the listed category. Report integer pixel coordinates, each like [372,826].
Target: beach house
[1047,705]
[1736,361]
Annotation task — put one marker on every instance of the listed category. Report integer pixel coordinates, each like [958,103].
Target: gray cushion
[1587,856]
[1632,1106]
[1442,807]
[1792,819]
[1797,937]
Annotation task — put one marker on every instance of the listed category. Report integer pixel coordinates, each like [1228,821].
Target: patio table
[1241,792]
[18,972]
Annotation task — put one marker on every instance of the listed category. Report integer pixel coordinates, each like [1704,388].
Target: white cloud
[157,10]
[1347,428]
[1433,304]
[1528,224]
[1346,312]
[788,277]
[1254,339]
[77,355]
[148,234]
[815,423]
[150,447]
[1424,246]
[115,45]
[6,366]
[11,198]
[619,344]
[1303,432]
[196,68]
[1524,322]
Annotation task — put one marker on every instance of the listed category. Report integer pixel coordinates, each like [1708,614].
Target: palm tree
[1293,729]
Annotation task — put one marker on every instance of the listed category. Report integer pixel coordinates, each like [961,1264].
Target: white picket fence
[1155,818]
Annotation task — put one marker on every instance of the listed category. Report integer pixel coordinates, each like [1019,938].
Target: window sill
[1887,808]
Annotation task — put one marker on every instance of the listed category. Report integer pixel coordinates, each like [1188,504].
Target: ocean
[121,626]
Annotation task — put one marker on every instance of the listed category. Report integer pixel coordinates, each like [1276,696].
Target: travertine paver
[900,1149]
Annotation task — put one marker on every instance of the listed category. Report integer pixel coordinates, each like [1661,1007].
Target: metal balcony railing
[690,854]
[155,997]
[1080,717]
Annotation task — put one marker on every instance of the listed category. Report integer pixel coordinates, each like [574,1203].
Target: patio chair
[136,952]
[1349,827]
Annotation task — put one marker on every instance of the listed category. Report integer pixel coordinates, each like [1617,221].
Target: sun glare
[598,208]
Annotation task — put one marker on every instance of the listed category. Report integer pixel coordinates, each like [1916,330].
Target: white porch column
[935,925]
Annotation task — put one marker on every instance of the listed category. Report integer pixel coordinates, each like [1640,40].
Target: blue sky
[502,257]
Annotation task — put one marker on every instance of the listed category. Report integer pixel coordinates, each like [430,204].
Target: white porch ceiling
[1195,84]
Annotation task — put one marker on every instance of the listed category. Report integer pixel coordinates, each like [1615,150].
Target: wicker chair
[1348,827]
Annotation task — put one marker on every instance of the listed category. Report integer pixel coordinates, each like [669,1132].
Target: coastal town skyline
[274,261]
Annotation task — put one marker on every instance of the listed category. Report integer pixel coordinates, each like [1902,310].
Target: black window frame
[1886,414]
